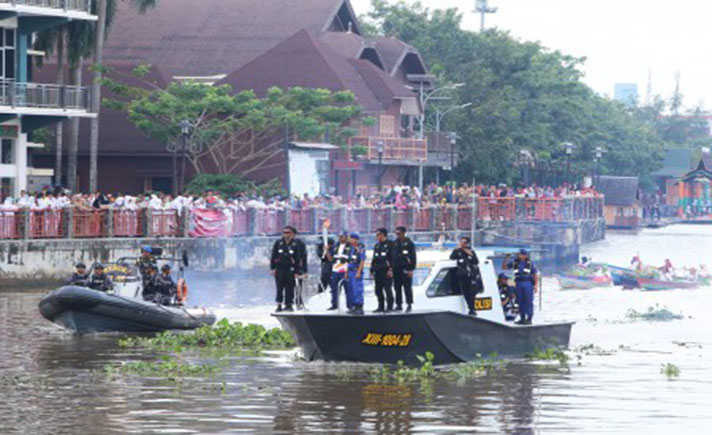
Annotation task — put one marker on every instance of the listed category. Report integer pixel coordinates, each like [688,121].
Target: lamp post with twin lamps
[569,148]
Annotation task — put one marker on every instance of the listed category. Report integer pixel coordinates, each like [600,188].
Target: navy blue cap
[502,276]
[354,236]
[523,251]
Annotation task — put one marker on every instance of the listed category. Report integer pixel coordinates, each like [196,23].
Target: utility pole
[483,8]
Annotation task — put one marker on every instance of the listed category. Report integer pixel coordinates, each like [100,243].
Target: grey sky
[622,39]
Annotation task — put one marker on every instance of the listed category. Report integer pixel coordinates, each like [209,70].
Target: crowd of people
[398,197]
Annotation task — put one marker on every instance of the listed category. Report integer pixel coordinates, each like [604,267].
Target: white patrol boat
[439,322]
[122,309]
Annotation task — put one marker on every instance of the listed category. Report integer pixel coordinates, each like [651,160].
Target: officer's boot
[289,308]
[357,310]
[399,307]
[279,308]
[380,308]
[409,308]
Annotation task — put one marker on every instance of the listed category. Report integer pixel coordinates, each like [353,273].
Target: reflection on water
[52,382]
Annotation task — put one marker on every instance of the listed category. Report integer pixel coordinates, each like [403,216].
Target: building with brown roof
[257,44]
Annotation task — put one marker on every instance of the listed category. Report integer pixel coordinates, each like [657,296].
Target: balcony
[40,97]
[395,149]
[80,9]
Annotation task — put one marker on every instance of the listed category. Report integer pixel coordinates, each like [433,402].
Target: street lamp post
[453,141]
[439,115]
[380,149]
[569,148]
[185,132]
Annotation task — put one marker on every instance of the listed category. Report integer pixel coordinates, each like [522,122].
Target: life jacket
[380,255]
[523,272]
[285,254]
[354,257]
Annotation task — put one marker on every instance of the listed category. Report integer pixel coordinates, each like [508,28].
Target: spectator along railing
[230,222]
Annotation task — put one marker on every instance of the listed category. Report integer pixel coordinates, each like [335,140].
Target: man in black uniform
[99,280]
[327,261]
[146,259]
[166,287]
[151,291]
[79,278]
[404,263]
[382,271]
[288,262]
[468,272]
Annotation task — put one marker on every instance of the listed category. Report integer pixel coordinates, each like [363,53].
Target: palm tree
[75,41]
[105,14]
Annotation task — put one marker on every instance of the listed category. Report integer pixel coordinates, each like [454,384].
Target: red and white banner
[210,223]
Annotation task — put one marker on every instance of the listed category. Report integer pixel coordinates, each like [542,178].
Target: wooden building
[622,208]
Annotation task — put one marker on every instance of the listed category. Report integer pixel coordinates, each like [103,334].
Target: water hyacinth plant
[222,335]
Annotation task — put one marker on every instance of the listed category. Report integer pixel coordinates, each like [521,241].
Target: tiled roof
[304,60]
[209,37]
[675,164]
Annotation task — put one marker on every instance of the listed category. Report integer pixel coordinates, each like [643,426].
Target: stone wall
[48,261]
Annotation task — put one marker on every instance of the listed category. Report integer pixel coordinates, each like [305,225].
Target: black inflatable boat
[83,310]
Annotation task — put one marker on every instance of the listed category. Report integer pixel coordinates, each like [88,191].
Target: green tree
[235,133]
[523,96]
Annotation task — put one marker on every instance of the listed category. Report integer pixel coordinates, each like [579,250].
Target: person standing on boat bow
[357,261]
[404,263]
[288,263]
[382,271]
[526,278]
[468,273]
[339,255]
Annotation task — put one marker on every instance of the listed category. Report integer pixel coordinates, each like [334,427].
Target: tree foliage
[525,96]
[234,133]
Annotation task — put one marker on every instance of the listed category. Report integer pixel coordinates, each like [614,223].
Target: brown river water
[53,382]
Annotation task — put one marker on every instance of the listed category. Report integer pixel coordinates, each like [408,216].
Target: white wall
[18,169]
[304,172]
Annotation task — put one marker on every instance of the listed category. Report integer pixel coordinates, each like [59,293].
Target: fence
[82,223]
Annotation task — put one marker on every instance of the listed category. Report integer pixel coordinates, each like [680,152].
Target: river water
[53,382]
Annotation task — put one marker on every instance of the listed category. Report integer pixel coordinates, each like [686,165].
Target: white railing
[67,5]
[43,96]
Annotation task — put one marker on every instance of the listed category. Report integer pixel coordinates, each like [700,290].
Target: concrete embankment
[49,261]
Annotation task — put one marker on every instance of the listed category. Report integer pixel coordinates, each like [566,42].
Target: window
[6,157]
[387,126]
[7,53]
[444,284]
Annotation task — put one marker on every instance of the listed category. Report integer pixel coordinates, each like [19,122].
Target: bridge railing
[102,223]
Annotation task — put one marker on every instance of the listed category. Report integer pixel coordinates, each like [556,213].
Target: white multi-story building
[26,106]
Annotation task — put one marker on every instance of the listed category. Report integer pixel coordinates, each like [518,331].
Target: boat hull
[581,283]
[83,310]
[655,285]
[450,336]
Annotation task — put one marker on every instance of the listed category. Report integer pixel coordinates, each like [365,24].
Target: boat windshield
[419,275]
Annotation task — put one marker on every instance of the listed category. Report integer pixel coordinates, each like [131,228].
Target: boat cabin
[435,287]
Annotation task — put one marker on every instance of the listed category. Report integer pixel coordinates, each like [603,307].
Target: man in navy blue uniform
[526,278]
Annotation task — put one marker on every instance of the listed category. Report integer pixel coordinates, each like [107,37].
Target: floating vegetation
[654,314]
[688,345]
[168,367]
[427,372]
[671,371]
[592,349]
[220,336]
[550,354]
